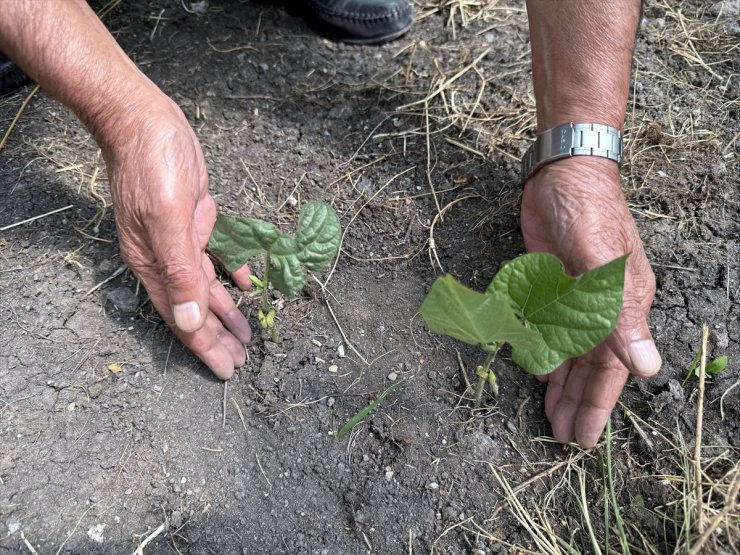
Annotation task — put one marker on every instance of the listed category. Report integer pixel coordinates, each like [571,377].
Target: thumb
[632,342]
[180,260]
[640,356]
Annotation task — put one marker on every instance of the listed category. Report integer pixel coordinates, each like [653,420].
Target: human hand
[164,216]
[575,209]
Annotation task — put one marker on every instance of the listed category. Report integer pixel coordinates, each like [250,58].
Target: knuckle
[178,272]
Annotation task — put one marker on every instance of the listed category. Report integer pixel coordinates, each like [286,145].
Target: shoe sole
[321,30]
[12,79]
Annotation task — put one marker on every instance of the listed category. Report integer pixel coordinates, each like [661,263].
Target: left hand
[574,209]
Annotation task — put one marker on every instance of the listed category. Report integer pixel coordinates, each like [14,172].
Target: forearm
[69,52]
[581,59]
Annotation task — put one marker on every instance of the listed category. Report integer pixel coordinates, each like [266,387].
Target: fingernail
[187,316]
[589,439]
[645,357]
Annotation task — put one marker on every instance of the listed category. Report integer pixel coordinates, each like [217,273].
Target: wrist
[572,139]
[585,176]
[116,119]
[557,109]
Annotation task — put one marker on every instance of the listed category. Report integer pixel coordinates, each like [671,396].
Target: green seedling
[316,243]
[362,413]
[711,369]
[545,315]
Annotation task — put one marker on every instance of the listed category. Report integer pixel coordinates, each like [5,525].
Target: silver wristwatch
[572,139]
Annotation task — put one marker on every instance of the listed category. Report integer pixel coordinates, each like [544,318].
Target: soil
[109,428]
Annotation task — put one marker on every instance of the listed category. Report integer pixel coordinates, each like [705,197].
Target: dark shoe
[11,76]
[359,21]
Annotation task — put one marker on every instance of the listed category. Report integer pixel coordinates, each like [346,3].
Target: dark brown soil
[93,460]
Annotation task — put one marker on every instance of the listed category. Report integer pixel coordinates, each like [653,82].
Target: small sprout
[712,368]
[362,413]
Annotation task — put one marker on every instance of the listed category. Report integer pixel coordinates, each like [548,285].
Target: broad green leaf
[452,309]
[236,240]
[572,314]
[284,246]
[318,235]
[286,274]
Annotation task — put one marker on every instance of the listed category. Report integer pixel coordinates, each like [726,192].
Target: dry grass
[568,517]
[681,110]
[580,510]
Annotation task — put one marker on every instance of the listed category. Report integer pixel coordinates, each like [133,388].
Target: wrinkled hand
[164,216]
[575,209]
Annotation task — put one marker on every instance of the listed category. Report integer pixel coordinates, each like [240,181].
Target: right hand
[164,216]
[574,208]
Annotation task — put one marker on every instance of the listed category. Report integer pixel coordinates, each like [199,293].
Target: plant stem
[266,306]
[265,281]
[479,390]
[484,378]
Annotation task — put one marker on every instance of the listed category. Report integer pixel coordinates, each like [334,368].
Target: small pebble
[340,351]
[393,376]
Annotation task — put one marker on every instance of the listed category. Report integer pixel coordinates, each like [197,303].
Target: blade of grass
[612,493]
[699,496]
[602,469]
[359,417]
[583,504]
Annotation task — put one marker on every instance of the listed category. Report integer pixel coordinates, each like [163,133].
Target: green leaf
[286,274]
[452,309]
[693,368]
[236,240]
[318,236]
[361,414]
[257,282]
[572,314]
[717,365]
[267,321]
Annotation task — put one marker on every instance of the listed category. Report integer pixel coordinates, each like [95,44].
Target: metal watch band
[572,139]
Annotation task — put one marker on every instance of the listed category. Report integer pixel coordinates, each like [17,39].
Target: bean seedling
[316,242]
[545,315]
